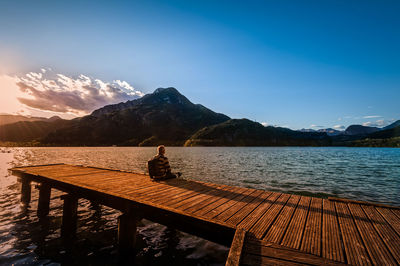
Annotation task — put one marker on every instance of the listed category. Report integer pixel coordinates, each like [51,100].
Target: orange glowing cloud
[58,94]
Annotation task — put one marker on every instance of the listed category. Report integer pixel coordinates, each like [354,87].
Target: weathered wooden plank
[96,175]
[99,179]
[245,211]
[377,250]
[159,192]
[66,171]
[144,187]
[279,226]
[263,224]
[34,169]
[211,214]
[223,216]
[196,195]
[178,192]
[183,193]
[28,167]
[253,260]
[391,218]
[311,241]
[258,212]
[295,230]
[332,247]
[196,199]
[213,194]
[114,183]
[271,250]
[226,191]
[356,253]
[397,212]
[388,235]
[238,192]
[235,252]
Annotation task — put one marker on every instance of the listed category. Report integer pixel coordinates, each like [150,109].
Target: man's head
[161,149]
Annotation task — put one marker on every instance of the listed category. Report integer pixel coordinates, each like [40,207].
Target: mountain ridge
[168,117]
[165,116]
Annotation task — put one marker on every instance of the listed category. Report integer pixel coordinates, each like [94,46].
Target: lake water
[371,174]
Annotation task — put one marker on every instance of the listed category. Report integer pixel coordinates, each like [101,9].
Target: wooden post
[127,223]
[44,200]
[70,217]
[25,190]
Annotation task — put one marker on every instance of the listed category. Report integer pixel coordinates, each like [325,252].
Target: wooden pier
[261,227]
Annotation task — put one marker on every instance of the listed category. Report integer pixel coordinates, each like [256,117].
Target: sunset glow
[46,94]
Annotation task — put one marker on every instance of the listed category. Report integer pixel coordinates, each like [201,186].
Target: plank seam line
[270,206]
[215,199]
[261,202]
[225,203]
[322,225]
[291,218]
[199,193]
[377,232]
[212,198]
[398,215]
[237,202]
[246,203]
[305,223]
[341,236]
[359,233]
[387,221]
[276,217]
[283,259]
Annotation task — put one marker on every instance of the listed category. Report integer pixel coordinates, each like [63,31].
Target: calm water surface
[371,174]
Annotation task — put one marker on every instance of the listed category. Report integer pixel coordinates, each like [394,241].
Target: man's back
[161,165]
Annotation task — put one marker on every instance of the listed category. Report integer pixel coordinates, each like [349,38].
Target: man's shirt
[162,165]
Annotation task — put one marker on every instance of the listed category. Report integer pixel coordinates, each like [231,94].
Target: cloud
[50,92]
[339,127]
[265,124]
[377,123]
[316,126]
[372,116]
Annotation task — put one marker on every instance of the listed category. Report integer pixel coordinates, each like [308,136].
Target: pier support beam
[127,224]
[70,217]
[25,190]
[44,200]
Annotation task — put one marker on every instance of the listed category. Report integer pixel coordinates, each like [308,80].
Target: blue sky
[288,63]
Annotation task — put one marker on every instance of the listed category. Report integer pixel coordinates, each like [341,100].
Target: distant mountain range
[23,131]
[354,130]
[167,117]
[9,119]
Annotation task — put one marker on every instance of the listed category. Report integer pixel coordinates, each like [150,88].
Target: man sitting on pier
[159,168]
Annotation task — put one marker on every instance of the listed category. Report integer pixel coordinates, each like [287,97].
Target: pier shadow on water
[38,242]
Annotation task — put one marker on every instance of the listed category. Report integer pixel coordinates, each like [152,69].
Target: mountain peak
[54,118]
[166,90]
[164,116]
[164,96]
[360,130]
